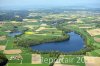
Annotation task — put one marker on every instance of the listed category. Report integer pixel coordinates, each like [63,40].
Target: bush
[3,60]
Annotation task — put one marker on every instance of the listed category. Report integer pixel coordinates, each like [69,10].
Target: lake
[75,43]
[13,34]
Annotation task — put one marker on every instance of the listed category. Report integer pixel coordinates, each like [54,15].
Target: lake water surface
[75,43]
[13,34]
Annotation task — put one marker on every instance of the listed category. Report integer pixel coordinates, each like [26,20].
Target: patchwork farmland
[43,38]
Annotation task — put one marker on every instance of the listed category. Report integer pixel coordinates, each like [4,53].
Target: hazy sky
[45,3]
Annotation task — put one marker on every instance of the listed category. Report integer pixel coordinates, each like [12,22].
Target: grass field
[9,43]
[73,60]
[27,64]
[38,33]
[13,60]
[94,53]
[26,58]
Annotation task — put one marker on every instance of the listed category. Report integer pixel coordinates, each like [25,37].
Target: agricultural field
[41,38]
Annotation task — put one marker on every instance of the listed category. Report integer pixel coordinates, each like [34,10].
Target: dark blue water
[13,34]
[75,43]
